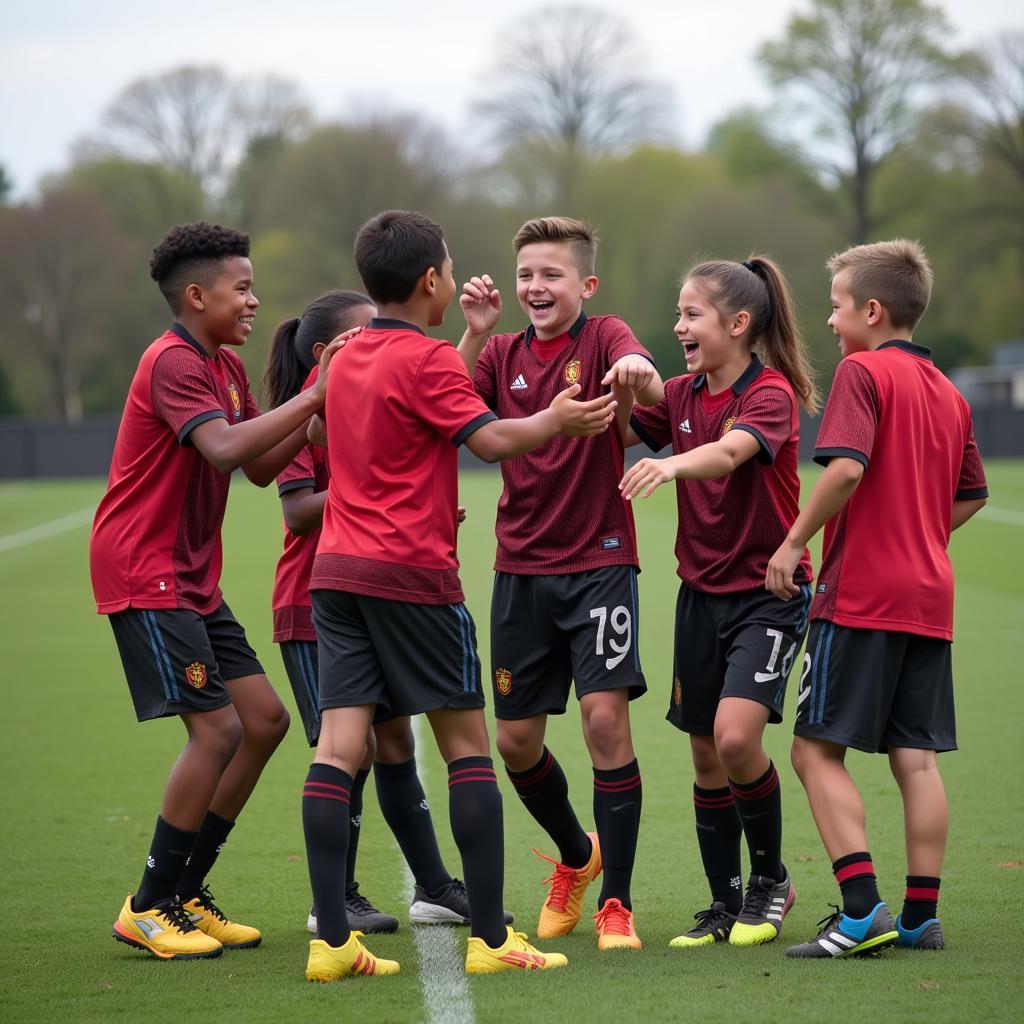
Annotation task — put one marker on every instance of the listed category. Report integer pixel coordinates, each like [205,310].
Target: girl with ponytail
[733,423]
[438,898]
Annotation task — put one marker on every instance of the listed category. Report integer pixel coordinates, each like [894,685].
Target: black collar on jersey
[574,331]
[745,379]
[183,333]
[909,346]
[386,323]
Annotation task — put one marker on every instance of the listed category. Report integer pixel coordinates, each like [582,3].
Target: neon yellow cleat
[330,963]
[516,954]
[765,905]
[208,918]
[615,929]
[165,931]
[713,925]
[561,910]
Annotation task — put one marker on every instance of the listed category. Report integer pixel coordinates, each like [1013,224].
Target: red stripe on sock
[473,769]
[861,867]
[538,776]
[758,792]
[472,775]
[618,786]
[328,786]
[921,893]
[324,796]
[713,801]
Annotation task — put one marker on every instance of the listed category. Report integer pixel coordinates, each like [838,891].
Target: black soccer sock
[168,853]
[404,806]
[855,874]
[759,804]
[355,822]
[618,797]
[545,794]
[325,822]
[718,836]
[213,834]
[474,805]
[921,902]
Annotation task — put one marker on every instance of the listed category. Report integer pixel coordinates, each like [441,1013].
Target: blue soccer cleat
[850,936]
[924,936]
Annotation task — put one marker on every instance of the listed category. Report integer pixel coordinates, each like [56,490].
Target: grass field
[82,784]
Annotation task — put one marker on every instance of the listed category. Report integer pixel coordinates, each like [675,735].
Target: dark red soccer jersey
[730,527]
[560,510]
[398,406]
[156,536]
[885,563]
[293,617]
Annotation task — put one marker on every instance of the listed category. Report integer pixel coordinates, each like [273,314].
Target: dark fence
[43,448]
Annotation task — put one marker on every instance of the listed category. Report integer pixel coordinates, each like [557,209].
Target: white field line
[441,956]
[44,531]
[1002,515]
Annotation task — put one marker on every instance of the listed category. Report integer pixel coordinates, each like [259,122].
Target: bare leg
[835,802]
[925,809]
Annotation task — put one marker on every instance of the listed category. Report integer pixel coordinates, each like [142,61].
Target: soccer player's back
[901,471]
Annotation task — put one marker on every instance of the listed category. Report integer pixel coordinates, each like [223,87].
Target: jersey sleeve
[653,423]
[767,413]
[618,340]
[484,375]
[445,397]
[971,484]
[850,419]
[299,473]
[182,393]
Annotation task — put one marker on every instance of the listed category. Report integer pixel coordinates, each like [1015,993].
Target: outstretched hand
[645,476]
[481,304]
[583,419]
[319,388]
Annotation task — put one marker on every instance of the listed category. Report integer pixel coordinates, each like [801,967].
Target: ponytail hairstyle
[291,350]
[757,286]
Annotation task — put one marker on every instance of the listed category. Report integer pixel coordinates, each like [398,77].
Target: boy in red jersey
[391,626]
[155,556]
[901,471]
[564,605]
[733,423]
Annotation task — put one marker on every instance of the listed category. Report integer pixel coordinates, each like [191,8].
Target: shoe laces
[614,918]
[757,899]
[713,917]
[521,942]
[561,880]
[205,900]
[830,921]
[176,914]
[356,901]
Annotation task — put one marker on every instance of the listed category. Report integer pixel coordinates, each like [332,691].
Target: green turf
[82,783]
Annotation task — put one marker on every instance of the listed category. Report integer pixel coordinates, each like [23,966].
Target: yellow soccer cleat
[713,925]
[208,918]
[615,929]
[332,963]
[765,905]
[165,931]
[561,910]
[516,954]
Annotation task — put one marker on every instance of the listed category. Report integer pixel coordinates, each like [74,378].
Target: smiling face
[711,344]
[848,323]
[228,304]
[550,287]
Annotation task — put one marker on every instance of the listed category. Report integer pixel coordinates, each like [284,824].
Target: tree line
[872,128]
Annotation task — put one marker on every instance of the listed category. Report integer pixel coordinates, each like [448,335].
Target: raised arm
[481,306]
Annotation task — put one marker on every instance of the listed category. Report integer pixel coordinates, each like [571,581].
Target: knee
[518,748]
[705,755]
[270,728]
[735,747]
[604,728]
[800,756]
[395,746]
[220,741]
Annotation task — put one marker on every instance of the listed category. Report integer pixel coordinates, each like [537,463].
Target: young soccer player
[733,424]
[564,604]
[902,471]
[391,625]
[155,557]
[437,898]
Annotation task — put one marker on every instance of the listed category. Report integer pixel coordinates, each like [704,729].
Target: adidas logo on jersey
[685,427]
[519,384]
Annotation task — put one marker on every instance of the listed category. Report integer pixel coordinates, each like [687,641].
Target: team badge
[572,372]
[727,426]
[677,691]
[236,401]
[195,674]
[503,681]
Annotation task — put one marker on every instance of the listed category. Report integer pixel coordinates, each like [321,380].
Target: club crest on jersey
[195,675]
[677,691]
[236,401]
[727,426]
[572,372]
[503,681]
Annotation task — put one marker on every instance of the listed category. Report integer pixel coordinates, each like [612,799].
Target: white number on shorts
[787,662]
[805,690]
[622,625]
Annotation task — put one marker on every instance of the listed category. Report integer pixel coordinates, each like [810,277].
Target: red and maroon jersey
[398,406]
[885,563]
[156,536]
[729,528]
[560,510]
[293,617]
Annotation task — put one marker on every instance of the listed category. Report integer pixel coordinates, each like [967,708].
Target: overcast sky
[63,61]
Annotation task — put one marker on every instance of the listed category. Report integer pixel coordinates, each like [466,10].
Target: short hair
[580,236]
[394,250]
[193,253]
[897,274]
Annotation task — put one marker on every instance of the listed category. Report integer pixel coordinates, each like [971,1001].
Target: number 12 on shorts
[621,623]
